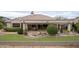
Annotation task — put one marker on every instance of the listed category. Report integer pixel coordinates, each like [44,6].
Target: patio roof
[37,17]
[40,17]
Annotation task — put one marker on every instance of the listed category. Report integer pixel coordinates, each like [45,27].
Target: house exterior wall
[9,25]
[25,25]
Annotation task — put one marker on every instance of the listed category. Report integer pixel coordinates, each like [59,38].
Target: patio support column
[23,28]
[37,26]
[69,27]
[59,28]
[26,27]
[20,25]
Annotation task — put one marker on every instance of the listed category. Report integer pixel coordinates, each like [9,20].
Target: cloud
[67,14]
[14,14]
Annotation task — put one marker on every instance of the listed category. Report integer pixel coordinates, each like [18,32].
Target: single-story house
[39,22]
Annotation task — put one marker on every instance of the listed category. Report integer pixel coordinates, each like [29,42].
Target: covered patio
[61,25]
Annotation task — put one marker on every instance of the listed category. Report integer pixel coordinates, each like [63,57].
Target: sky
[14,14]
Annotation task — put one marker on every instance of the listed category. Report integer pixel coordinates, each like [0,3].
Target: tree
[60,18]
[1,25]
[77,26]
[52,29]
[1,22]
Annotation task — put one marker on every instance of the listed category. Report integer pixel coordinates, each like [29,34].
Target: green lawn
[11,37]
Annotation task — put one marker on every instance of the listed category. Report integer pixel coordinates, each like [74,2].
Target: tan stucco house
[39,22]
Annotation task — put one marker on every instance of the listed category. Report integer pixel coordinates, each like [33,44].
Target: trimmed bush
[11,29]
[52,29]
[20,31]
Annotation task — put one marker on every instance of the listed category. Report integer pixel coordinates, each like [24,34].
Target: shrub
[20,31]
[11,29]
[25,32]
[77,27]
[1,25]
[52,30]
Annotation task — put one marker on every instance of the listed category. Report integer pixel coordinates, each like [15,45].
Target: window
[16,24]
